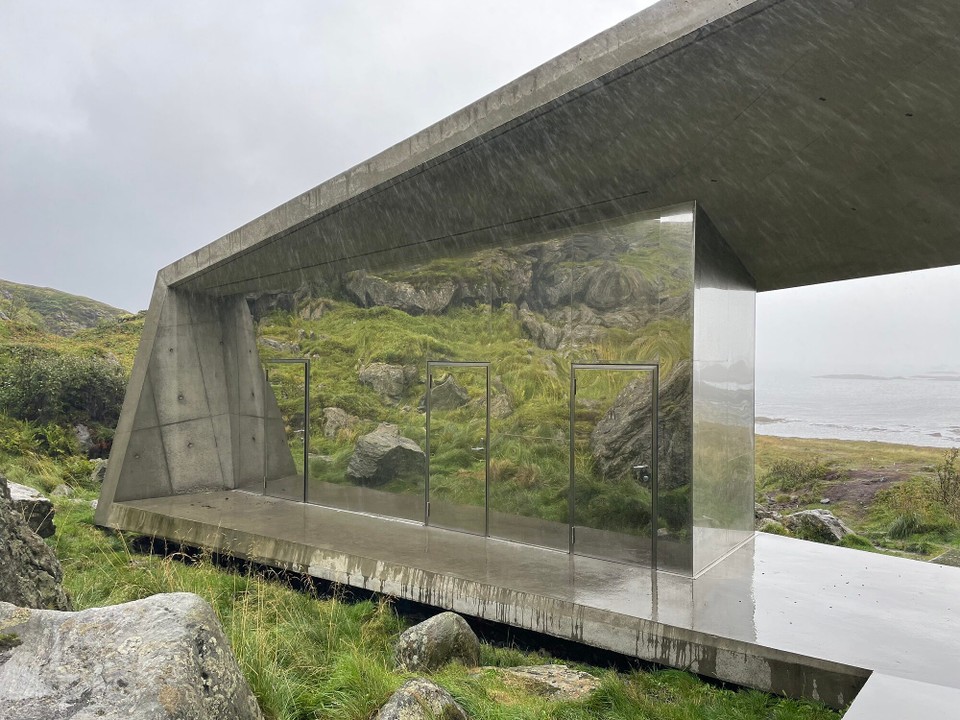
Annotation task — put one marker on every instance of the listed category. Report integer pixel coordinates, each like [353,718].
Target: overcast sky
[133,133]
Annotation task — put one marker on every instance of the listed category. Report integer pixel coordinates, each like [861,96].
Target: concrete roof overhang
[822,138]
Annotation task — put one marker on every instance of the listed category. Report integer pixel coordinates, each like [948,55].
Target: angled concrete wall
[197,412]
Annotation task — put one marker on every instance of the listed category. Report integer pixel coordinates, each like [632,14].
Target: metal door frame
[431,364]
[654,370]
[306,417]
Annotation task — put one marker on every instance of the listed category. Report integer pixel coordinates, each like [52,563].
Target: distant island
[940,376]
[859,376]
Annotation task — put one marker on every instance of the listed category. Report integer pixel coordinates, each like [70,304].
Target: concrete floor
[778,614]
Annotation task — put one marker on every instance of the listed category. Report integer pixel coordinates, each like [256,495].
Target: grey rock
[420,699]
[34,508]
[435,642]
[818,525]
[761,512]
[161,657]
[389,381]
[369,291]
[30,574]
[501,406]
[84,438]
[448,394]
[541,332]
[289,348]
[612,285]
[99,472]
[622,437]
[62,490]
[555,681]
[385,455]
[336,420]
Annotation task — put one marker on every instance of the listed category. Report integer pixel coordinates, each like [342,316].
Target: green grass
[905,517]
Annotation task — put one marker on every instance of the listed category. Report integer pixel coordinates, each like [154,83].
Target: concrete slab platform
[778,614]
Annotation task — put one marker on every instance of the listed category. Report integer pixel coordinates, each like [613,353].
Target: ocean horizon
[922,409]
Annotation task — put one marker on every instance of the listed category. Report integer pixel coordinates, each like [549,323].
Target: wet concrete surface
[778,614]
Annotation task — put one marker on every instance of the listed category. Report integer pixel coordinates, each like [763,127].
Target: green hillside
[52,310]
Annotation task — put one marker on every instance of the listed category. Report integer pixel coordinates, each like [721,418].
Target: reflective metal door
[613,462]
[286,429]
[458,445]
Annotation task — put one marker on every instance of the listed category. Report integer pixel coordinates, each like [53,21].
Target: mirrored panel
[614,292]
[458,433]
[613,458]
[285,427]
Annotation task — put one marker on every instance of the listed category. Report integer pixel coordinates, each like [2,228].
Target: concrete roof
[822,138]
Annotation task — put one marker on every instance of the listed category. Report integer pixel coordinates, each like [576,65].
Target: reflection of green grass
[529,451]
[904,517]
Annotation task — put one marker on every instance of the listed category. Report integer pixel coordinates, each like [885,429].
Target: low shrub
[48,387]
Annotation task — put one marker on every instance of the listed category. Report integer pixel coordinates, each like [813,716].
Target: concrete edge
[725,659]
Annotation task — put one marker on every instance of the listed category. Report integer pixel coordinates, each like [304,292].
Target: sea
[910,410]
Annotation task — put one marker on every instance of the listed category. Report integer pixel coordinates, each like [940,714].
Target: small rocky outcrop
[336,420]
[36,510]
[389,381]
[371,291]
[817,525]
[292,349]
[385,455]
[448,394]
[762,512]
[84,438]
[420,699]
[555,681]
[162,657]
[435,642]
[30,574]
[99,472]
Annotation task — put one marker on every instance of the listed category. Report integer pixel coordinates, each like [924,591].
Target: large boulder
[390,382]
[420,699]
[30,574]
[817,525]
[35,508]
[448,394]
[162,657]
[385,455]
[622,437]
[435,642]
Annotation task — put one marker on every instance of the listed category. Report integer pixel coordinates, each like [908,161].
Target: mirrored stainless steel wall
[724,320]
[505,438]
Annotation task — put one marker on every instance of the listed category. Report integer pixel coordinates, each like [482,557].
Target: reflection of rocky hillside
[566,292]
[622,436]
